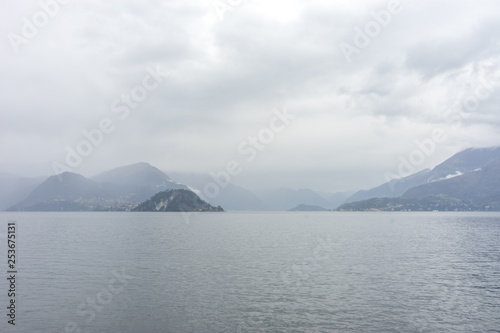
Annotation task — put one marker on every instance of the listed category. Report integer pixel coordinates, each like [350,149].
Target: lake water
[253,272]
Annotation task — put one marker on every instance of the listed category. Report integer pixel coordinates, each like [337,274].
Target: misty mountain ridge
[469,180]
[308,208]
[117,189]
[234,197]
[71,191]
[231,197]
[479,187]
[124,187]
[284,199]
[139,174]
[466,161]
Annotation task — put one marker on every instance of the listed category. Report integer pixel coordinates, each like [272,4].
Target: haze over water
[257,272]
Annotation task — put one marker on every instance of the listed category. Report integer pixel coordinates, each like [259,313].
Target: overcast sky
[361,82]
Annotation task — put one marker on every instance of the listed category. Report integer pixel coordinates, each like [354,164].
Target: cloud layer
[427,65]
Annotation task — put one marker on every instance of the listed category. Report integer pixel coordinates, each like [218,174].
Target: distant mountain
[429,203]
[480,188]
[15,188]
[231,197]
[308,208]
[141,179]
[466,161]
[461,163]
[118,189]
[469,180]
[392,189]
[335,199]
[236,198]
[283,199]
[176,201]
[65,192]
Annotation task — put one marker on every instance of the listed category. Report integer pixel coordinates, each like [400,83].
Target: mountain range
[469,180]
[466,181]
[461,163]
[237,198]
[231,197]
[118,189]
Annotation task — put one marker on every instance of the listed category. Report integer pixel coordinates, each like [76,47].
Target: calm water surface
[254,272]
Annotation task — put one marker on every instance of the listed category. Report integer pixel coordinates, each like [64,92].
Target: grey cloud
[226,76]
[441,54]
